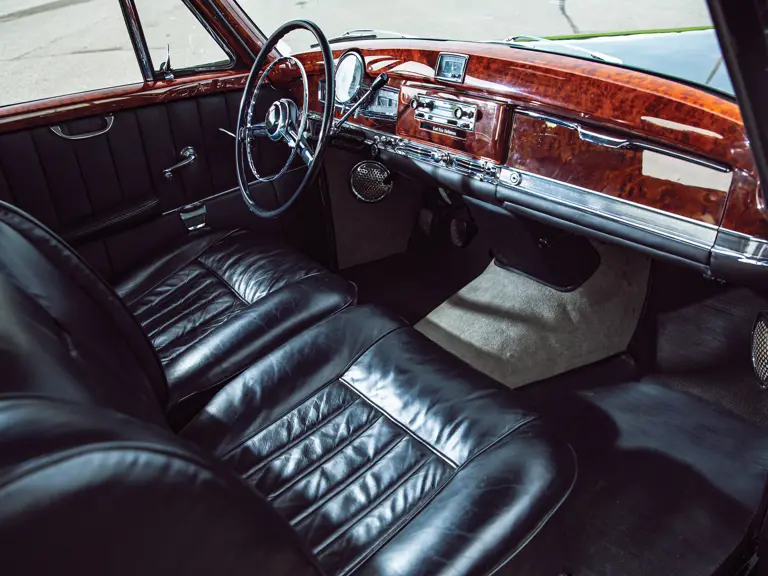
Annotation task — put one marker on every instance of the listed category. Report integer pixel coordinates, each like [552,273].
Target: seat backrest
[64,333]
[92,480]
[88,491]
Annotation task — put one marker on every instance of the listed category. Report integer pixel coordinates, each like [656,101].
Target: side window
[170,26]
[52,49]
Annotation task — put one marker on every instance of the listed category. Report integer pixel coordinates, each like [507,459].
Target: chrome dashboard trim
[593,137]
[741,247]
[746,252]
[644,218]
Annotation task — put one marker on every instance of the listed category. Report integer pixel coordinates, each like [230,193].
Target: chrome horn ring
[284,121]
[279,123]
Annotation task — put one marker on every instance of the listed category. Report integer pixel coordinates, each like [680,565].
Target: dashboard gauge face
[451,67]
[349,77]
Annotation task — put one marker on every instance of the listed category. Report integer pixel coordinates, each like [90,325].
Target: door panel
[107,194]
[71,185]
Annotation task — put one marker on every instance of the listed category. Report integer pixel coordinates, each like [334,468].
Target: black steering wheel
[284,120]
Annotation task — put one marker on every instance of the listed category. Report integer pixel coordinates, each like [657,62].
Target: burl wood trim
[559,153]
[100,102]
[657,109]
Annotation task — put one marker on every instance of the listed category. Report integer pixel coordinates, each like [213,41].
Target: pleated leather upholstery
[214,305]
[354,446]
[384,433]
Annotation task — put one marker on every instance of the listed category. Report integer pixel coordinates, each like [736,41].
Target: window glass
[672,38]
[51,49]
[171,23]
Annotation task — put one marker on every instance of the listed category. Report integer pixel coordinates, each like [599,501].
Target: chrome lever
[108,121]
[602,139]
[188,157]
[379,82]
[228,133]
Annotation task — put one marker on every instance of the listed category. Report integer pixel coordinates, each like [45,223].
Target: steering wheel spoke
[286,120]
[299,142]
[256,130]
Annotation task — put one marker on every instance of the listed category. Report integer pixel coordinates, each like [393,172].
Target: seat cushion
[386,454]
[221,301]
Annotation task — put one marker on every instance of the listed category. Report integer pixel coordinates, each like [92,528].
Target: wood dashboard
[575,140]
[679,152]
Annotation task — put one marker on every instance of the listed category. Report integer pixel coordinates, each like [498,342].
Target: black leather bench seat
[355,446]
[385,453]
[213,305]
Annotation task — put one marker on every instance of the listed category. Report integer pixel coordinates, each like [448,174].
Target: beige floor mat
[519,331]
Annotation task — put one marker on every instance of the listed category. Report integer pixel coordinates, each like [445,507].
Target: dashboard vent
[416,151]
[475,168]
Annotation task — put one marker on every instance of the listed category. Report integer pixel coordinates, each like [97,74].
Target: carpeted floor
[517,330]
[701,333]
[414,283]
[668,484]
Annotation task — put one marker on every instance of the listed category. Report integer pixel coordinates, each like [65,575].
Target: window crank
[188,156]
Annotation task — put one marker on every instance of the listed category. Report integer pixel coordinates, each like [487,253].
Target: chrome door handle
[602,139]
[108,119]
[188,156]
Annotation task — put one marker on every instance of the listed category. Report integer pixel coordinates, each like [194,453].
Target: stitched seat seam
[392,532]
[156,301]
[223,381]
[325,458]
[536,529]
[223,281]
[498,440]
[181,266]
[350,524]
[157,310]
[186,313]
[303,437]
[320,389]
[339,489]
[308,432]
[219,321]
[400,425]
[417,510]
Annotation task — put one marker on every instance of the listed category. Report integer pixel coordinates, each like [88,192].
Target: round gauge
[349,77]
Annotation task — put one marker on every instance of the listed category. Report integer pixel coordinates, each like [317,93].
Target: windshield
[668,37]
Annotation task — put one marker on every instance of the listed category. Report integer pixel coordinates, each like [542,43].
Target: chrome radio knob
[414,103]
[458,113]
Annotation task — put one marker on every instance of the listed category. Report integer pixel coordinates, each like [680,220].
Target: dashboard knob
[428,104]
[458,113]
[414,104]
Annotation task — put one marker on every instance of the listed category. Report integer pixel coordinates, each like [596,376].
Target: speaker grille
[760,350]
[370,181]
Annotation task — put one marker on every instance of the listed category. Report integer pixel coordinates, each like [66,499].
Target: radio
[433,112]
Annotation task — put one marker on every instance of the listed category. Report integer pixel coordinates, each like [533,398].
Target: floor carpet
[518,330]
